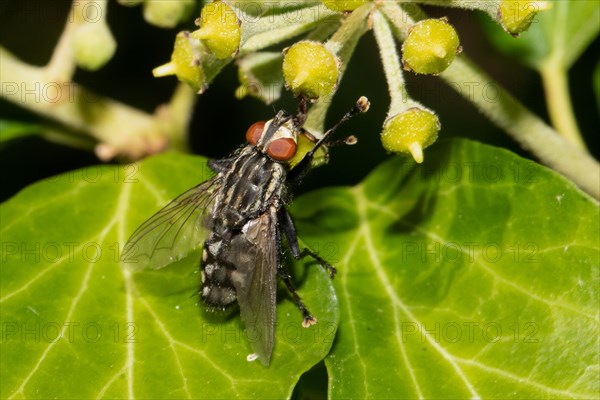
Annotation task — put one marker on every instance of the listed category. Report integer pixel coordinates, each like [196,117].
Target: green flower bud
[348,5]
[430,47]
[516,15]
[167,14]
[310,70]
[410,132]
[219,29]
[185,62]
[93,45]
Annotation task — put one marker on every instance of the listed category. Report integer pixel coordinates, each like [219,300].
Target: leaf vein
[379,268]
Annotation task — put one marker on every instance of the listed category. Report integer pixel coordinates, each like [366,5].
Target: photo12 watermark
[58,252]
[52,93]
[469,252]
[69,331]
[469,332]
[113,173]
[52,252]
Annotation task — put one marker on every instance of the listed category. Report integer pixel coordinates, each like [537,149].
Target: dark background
[29,29]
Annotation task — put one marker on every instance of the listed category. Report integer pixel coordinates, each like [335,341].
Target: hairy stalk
[272,29]
[490,7]
[342,43]
[390,59]
[526,128]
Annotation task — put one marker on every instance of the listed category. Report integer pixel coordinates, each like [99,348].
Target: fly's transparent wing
[256,255]
[172,232]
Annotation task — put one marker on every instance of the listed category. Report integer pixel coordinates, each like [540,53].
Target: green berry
[348,5]
[310,69]
[185,62]
[306,144]
[410,132]
[516,15]
[430,47]
[219,29]
[93,45]
[167,14]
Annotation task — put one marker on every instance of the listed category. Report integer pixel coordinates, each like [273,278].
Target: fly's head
[284,140]
[277,138]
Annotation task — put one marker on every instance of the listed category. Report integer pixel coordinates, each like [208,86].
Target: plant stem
[489,6]
[125,130]
[272,29]
[61,66]
[390,59]
[525,127]
[175,116]
[522,125]
[342,43]
[558,100]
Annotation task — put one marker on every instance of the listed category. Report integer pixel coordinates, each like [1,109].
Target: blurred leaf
[260,76]
[15,129]
[596,83]
[561,33]
[474,275]
[75,324]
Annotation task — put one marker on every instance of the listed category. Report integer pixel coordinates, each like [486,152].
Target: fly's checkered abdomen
[251,185]
[217,285]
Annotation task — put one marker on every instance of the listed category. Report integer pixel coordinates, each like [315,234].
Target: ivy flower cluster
[313,66]
[303,46]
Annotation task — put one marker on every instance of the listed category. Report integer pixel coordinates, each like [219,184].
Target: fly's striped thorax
[250,186]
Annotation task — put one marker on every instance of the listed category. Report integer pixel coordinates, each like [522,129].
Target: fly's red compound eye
[282,149]
[255,131]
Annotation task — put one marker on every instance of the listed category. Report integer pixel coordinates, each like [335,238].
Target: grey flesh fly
[242,209]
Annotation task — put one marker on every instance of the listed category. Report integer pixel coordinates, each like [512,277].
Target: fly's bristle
[216,296]
[212,308]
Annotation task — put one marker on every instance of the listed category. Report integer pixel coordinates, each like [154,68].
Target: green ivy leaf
[474,275]
[560,34]
[491,254]
[75,324]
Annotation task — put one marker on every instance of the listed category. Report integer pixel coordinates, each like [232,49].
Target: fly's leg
[308,319]
[287,225]
[306,252]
